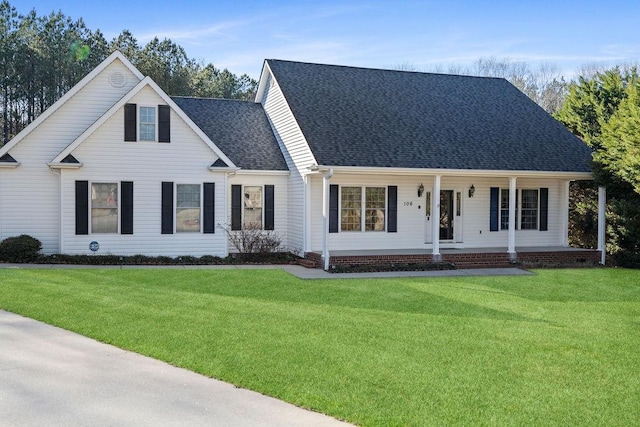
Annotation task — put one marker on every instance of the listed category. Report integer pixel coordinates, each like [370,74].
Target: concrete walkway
[52,377]
[296,270]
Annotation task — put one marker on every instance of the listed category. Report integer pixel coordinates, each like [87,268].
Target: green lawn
[558,348]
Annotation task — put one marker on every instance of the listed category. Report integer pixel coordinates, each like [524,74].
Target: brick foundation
[586,258]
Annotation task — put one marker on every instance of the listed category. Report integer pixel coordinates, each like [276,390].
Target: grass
[558,348]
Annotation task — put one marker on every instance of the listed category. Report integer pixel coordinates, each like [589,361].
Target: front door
[446,214]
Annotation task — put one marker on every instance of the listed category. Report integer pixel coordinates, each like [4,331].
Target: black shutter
[167,208]
[130,122]
[82,207]
[236,207]
[126,203]
[544,209]
[392,210]
[333,208]
[164,123]
[494,209]
[209,205]
[269,211]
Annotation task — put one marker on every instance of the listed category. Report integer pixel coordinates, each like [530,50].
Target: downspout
[60,214]
[326,176]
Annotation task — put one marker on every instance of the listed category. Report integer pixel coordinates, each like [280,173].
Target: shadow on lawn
[393,297]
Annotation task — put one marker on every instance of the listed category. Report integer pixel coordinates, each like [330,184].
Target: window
[252,206]
[104,207]
[352,213]
[374,209]
[350,210]
[529,210]
[504,209]
[140,123]
[187,208]
[147,124]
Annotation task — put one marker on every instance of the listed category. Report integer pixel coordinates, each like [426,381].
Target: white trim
[511,236]
[325,217]
[435,215]
[9,165]
[262,81]
[261,172]
[67,96]
[60,165]
[565,212]
[147,81]
[454,172]
[602,206]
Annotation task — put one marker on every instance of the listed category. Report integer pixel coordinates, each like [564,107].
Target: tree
[604,111]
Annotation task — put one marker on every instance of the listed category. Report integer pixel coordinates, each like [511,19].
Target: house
[346,165]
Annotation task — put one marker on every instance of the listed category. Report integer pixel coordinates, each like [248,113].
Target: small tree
[252,239]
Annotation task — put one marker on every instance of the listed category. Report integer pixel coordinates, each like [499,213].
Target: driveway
[49,376]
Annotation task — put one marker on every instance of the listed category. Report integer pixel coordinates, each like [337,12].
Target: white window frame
[91,208]
[363,208]
[176,207]
[518,216]
[155,124]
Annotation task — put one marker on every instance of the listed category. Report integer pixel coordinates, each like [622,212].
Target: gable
[147,94]
[76,110]
[381,118]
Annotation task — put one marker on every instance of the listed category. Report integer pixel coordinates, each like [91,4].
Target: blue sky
[239,35]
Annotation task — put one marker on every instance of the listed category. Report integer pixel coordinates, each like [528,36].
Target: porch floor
[534,256]
[443,251]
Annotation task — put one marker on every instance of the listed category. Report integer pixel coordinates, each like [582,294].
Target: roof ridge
[356,67]
[201,98]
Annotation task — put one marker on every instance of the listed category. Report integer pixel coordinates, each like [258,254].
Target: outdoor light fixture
[420,190]
[472,190]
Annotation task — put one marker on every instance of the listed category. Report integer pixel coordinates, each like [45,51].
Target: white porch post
[565,214]
[325,217]
[512,219]
[602,206]
[435,218]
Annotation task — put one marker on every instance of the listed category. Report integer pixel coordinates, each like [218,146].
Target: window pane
[147,124]
[504,209]
[104,207]
[375,208]
[350,212]
[188,208]
[252,208]
[529,210]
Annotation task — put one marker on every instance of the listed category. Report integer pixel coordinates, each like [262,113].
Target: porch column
[565,214]
[435,218]
[602,206]
[512,219]
[325,217]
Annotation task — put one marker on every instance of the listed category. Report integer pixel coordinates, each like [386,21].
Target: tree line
[42,57]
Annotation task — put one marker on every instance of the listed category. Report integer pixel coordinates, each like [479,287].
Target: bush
[22,248]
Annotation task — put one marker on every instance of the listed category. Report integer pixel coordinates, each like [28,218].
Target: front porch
[526,257]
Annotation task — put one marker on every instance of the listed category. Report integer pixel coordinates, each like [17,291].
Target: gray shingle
[239,128]
[382,118]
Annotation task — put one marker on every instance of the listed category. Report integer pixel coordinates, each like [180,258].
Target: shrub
[21,248]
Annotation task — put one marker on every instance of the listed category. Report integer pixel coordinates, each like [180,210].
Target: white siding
[107,158]
[474,219]
[281,202]
[30,194]
[297,155]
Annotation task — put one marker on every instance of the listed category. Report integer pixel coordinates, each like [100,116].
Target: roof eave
[568,175]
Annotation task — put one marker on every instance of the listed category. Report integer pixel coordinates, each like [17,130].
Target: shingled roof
[382,118]
[239,128]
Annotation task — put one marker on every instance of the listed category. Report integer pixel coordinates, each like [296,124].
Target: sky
[416,35]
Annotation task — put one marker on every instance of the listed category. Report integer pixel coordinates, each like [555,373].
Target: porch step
[305,262]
